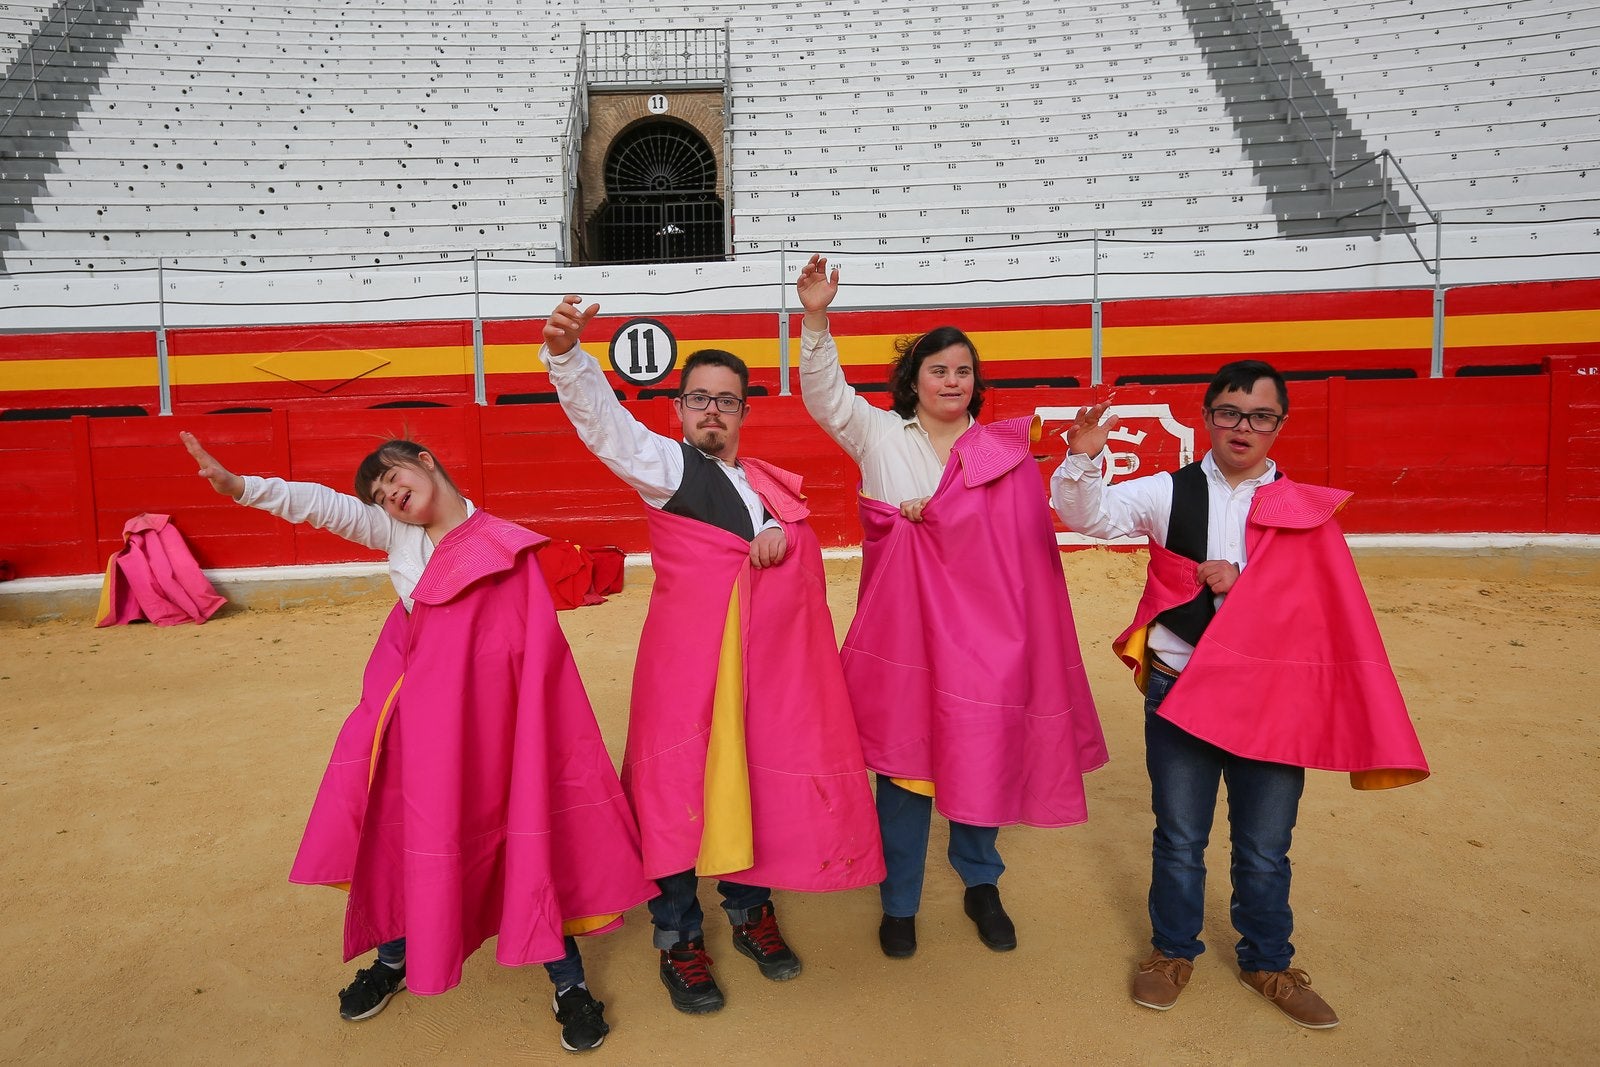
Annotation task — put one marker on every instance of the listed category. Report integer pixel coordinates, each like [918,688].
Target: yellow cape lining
[727,841]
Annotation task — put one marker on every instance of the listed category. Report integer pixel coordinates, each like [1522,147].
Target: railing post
[1383,178]
[163,366]
[1436,370]
[1095,321]
[480,390]
[783,322]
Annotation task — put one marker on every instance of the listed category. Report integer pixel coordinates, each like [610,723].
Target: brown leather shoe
[1290,992]
[1159,980]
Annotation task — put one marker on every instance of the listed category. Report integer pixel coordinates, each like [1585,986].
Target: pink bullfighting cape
[470,794]
[963,661]
[1292,669]
[155,577]
[742,757]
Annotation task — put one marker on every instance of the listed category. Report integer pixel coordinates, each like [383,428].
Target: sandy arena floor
[155,782]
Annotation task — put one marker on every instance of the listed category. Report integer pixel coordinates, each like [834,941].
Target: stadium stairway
[1289,156]
[47,105]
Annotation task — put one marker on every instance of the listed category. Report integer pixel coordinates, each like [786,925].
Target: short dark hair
[913,351]
[715,357]
[390,454]
[1242,375]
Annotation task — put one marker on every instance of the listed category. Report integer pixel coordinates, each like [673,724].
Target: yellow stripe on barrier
[112,372]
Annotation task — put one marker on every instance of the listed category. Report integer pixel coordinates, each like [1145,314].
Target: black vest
[706,494]
[1187,525]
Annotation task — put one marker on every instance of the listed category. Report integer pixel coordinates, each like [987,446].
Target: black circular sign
[643,351]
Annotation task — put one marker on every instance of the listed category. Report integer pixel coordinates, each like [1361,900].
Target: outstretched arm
[1086,505]
[327,509]
[649,462]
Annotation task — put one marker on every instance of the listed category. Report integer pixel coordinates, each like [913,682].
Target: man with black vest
[743,760]
[1199,513]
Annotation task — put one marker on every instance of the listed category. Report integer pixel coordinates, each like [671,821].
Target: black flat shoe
[982,904]
[898,937]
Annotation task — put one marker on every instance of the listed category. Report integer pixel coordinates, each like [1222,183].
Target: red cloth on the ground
[154,576]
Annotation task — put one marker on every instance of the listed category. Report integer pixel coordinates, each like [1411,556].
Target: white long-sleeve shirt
[650,462]
[1143,506]
[895,454]
[408,546]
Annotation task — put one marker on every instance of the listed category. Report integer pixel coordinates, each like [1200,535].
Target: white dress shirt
[1143,506]
[896,456]
[409,546]
[649,462]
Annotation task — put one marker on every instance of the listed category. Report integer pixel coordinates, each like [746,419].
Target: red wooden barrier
[1516,453]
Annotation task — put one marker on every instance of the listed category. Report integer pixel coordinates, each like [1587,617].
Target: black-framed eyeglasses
[1260,421]
[728,405]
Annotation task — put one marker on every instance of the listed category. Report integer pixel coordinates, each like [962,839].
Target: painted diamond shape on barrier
[320,367]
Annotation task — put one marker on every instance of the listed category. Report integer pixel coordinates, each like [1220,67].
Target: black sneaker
[761,941]
[686,972]
[582,1024]
[371,992]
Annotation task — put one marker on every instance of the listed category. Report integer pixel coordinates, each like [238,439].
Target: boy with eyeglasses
[1258,656]
[743,760]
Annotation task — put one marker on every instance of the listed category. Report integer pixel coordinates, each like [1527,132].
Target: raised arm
[649,462]
[324,508]
[843,414]
[1087,505]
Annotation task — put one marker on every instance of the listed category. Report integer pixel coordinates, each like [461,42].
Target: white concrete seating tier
[539,235]
[860,126]
[325,160]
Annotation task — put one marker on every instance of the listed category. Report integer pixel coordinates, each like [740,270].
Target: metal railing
[37,62]
[476,283]
[1294,112]
[639,58]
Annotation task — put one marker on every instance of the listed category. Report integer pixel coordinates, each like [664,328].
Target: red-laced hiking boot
[761,941]
[1159,980]
[1290,992]
[686,972]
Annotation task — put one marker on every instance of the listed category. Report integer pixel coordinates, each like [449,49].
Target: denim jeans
[565,972]
[1263,802]
[677,915]
[903,818]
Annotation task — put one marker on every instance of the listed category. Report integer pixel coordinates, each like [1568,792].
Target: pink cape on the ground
[1292,669]
[963,660]
[493,807]
[813,822]
[155,577]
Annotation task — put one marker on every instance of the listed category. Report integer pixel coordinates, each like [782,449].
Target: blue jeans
[903,818]
[677,915]
[565,972]
[1263,802]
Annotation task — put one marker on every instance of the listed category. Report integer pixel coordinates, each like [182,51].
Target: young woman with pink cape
[469,794]
[963,661]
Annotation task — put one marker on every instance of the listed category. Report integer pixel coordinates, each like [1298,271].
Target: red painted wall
[1502,454]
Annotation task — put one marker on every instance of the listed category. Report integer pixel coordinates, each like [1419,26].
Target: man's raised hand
[564,327]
